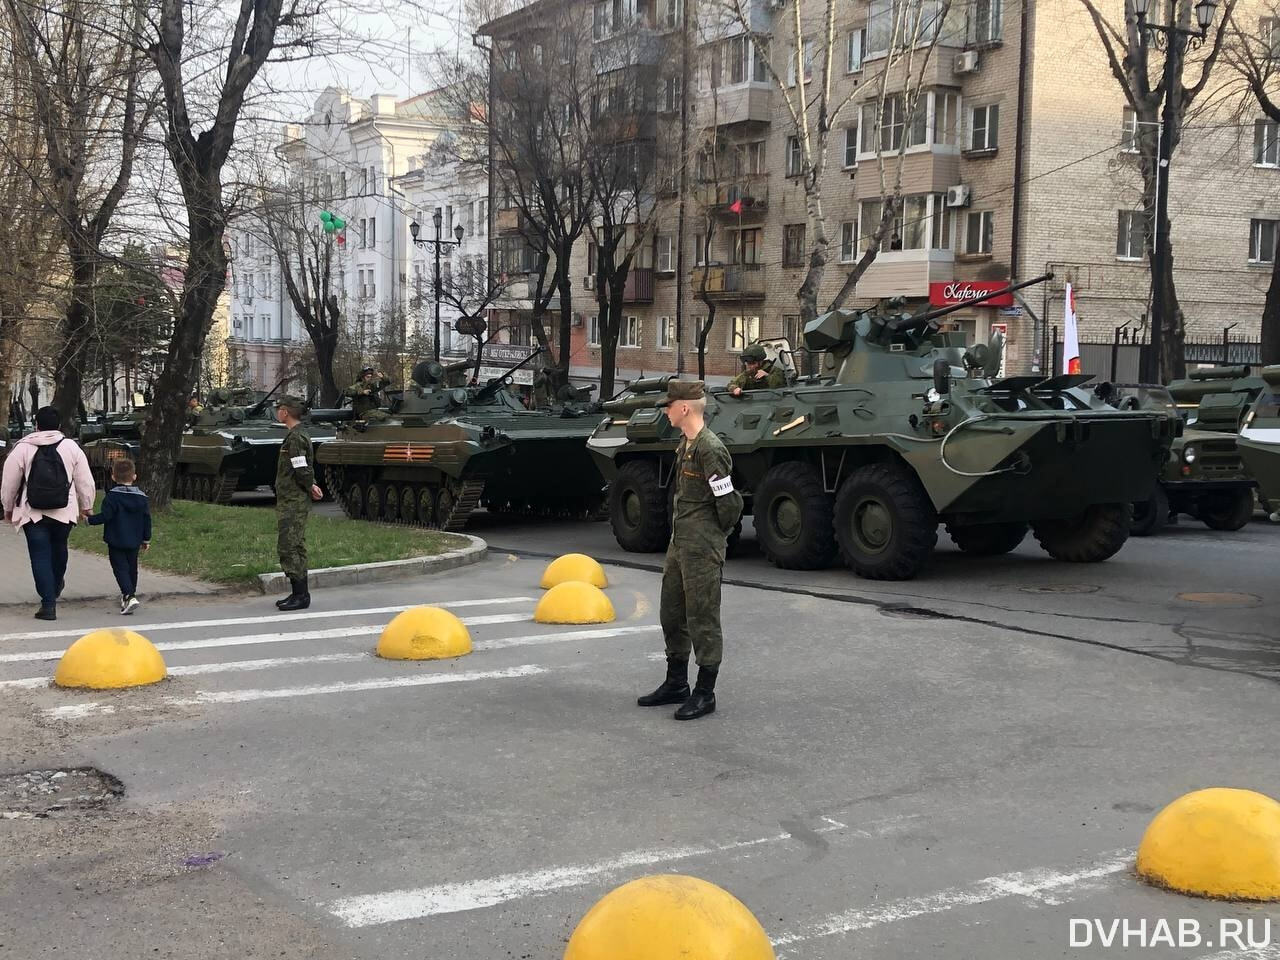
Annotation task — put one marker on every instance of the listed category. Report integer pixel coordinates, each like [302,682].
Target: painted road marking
[80,710]
[436,899]
[1269,952]
[242,666]
[1025,883]
[266,618]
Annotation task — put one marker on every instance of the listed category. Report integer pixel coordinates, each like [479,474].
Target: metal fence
[1121,362]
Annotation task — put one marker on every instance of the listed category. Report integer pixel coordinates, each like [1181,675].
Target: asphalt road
[876,783]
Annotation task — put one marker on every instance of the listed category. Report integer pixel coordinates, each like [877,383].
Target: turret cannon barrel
[921,320]
[1221,373]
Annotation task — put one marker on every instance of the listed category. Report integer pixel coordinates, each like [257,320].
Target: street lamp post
[1175,41]
[414,230]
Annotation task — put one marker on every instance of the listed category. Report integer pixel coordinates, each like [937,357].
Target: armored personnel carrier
[439,452]
[905,427]
[1259,439]
[1204,477]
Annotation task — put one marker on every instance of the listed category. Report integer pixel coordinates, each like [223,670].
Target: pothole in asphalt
[1222,599]
[1062,588]
[913,613]
[33,794]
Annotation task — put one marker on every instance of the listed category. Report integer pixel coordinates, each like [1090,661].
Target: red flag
[736,206]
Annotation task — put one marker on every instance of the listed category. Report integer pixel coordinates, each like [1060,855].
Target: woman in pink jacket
[48,525]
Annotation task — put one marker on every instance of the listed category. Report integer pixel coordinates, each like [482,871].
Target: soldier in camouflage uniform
[756,377]
[706,510]
[295,489]
[365,392]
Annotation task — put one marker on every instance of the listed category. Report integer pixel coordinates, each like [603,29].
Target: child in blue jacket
[126,522]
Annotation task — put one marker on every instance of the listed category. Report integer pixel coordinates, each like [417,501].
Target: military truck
[438,452]
[1204,477]
[904,427]
[1259,439]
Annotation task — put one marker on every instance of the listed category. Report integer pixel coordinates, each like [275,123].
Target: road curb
[384,570]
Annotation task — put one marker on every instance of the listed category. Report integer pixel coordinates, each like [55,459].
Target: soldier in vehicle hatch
[757,376]
[706,510]
[366,393]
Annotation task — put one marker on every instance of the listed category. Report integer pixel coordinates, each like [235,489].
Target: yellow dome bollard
[424,633]
[574,566]
[1220,842]
[669,917]
[574,602]
[110,659]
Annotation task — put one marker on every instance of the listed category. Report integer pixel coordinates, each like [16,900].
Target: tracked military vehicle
[1204,476]
[440,452]
[1259,439]
[906,426]
[117,436]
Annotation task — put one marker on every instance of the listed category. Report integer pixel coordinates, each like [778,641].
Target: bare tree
[1151,76]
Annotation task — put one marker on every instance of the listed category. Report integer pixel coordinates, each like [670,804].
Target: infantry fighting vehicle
[1204,476]
[116,436]
[441,451]
[1259,439]
[905,427]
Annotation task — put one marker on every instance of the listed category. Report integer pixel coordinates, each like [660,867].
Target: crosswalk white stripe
[266,618]
[1266,952]
[242,666]
[80,710]
[261,638]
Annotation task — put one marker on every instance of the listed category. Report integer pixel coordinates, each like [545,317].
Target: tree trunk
[1271,317]
[703,333]
[74,334]
[1166,311]
[326,347]
[564,284]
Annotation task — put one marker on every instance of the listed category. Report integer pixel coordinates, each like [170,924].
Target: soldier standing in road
[295,489]
[756,377]
[706,510]
[365,392]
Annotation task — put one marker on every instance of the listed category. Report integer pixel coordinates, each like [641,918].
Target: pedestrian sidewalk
[88,576]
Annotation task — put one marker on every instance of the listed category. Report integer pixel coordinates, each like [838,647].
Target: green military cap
[754,352]
[295,405]
[683,390]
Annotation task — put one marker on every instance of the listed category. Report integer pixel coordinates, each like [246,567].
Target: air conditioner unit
[589,281]
[967,62]
[959,195]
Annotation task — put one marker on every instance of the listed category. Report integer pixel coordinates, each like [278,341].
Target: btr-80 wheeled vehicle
[438,452]
[1204,476]
[904,428]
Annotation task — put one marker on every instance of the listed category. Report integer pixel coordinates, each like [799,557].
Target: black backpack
[48,486]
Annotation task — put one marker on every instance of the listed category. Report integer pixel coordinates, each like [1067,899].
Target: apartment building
[347,156]
[1019,160]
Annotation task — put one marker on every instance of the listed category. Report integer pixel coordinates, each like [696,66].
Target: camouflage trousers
[291,538]
[690,605]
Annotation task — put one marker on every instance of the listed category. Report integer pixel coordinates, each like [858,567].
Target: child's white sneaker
[130,604]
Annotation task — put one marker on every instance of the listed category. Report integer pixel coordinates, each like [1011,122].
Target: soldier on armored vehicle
[907,428]
[758,375]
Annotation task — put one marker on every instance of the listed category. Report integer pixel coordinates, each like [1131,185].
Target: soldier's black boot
[703,699]
[674,689]
[300,599]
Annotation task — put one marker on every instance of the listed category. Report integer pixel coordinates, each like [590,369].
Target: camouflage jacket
[772,380]
[294,471]
[706,505]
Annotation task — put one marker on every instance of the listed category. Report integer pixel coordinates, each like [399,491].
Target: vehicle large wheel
[638,508]
[372,502]
[353,502]
[793,518]
[987,539]
[426,506]
[390,494]
[885,526]
[1090,537]
[1150,515]
[408,504]
[1227,510]
[186,487]
[445,501]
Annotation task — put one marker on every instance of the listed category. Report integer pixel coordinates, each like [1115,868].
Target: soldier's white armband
[721,486]
[298,462]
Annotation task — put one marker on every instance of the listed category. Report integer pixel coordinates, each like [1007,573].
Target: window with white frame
[364,233]
[848,241]
[894,124]
[743,331]
[1269,35]
[629,332]
[373,233]
[593,331]
[1266,143]
[899,22]
[666,333]
[941,225]
[666,262]
[856,49]
[699,249]
[985,21]
[1262,240]
[851,146]
[364,181]
[670,95]
[795,159]
[672,12]
[1130,228]
[984,127]
[1129,130]
[600,20]
[810,50]
[979,232]
[946,118]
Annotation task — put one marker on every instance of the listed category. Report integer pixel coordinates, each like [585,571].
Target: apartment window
[342,284]
[629,332]
[848,241]
[448,220]
[793,245]
[373,180]
[666,262]
[600,23]
[1130,226]
[593,331]
[748,245]
[591,258]
[869,217]
[364,233]
[851,146]
[672,13]
[744,331]
[364,181]
[373,285]
[979,232]
[670,95]
[1262,240]
[915,221]
[857,49]
[986,22]
[1129,130]
[1265,141]
[795,160]
[446,274]
[894,124]
[895,21]
[984,127]
[373,233]
[946,118]
[809,50]
[941,231]
[1269,34]
[699,250]
[752,157]
[666,333]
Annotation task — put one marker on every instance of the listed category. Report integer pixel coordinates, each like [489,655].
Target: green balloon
[329,226]
[326,216]
[338,223]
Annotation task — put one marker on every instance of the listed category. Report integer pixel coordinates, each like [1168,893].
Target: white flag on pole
[1071,334]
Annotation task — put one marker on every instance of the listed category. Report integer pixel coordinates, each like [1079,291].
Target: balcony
[733,281]
[639,286]
[507,221]
[905,273]
[738,104]
[752,189]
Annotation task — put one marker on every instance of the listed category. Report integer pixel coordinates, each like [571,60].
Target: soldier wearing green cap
[756,376]
[295,489]
[366,393]
[706,510]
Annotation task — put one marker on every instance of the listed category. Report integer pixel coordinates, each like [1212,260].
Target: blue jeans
[47,548]
[124,564]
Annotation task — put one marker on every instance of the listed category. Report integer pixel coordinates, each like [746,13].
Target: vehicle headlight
[1189,454]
